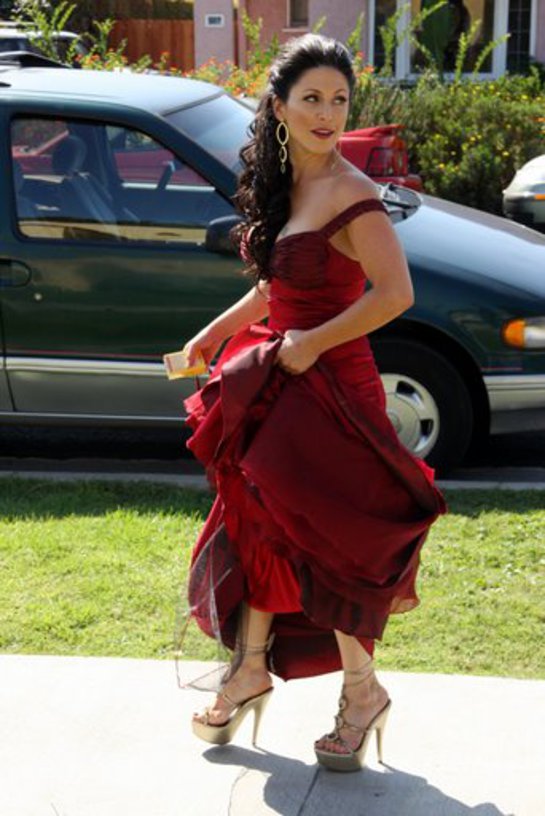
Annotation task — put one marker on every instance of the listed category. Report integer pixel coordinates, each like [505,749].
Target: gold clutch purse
[177,366]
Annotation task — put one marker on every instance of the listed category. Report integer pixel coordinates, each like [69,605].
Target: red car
[381,153]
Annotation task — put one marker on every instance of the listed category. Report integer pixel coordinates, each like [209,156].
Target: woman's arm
[381,256]
[251,308]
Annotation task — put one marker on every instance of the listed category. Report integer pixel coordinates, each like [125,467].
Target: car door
[110,224]
[6,405]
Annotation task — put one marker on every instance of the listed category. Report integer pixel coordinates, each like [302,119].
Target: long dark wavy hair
[263,192]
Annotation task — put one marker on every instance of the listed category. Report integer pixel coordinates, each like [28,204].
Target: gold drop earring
[282,139]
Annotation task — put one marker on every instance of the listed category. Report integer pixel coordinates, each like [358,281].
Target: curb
[199,482]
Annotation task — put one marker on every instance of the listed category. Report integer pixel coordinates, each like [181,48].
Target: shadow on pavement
[290,787]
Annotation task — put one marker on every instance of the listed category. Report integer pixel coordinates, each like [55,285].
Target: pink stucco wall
[213,42]
[274,15]
[242,45]
[341,17]
[275,18]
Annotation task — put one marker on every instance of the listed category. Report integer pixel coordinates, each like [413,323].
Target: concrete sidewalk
[111,737]
[199,482]
[189,473]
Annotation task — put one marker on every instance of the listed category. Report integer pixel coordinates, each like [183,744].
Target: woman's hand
[206,342]
[297,352]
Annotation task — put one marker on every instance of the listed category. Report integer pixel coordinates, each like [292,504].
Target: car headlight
[525,333]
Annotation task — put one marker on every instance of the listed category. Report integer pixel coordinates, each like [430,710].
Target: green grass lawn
[95,568]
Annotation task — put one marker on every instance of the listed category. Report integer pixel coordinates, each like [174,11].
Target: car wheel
[428,402]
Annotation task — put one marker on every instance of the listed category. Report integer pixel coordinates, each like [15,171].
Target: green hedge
[466,139]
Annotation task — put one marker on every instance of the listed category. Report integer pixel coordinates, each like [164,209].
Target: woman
[320,512]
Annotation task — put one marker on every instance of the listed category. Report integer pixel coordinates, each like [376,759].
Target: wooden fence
[139,9]
[153,37]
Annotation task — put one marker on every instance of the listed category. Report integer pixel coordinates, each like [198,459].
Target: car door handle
[13,273]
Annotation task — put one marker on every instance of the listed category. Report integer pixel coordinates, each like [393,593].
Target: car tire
[428,402]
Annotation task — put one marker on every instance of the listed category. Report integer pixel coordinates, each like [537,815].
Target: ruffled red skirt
[320,512]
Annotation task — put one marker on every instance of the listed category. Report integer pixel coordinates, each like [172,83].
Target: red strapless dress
[320,512]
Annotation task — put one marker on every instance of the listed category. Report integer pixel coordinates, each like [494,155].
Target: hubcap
[413,412]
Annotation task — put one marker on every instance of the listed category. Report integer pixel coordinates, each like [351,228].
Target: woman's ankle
[366,695]
[363,684]
[253,664]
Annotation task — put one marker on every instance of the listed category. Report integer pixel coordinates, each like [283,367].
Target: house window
[441,31]
[383,10]
[518,44]
[298,13]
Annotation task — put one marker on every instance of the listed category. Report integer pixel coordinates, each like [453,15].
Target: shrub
[250,81]
[466,139]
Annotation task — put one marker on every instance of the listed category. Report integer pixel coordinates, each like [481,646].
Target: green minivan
[114,248]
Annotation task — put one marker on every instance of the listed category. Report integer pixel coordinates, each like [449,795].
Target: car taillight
[387,161]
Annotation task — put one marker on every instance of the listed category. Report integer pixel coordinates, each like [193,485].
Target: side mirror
[217,235]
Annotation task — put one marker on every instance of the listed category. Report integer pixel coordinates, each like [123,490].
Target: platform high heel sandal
[223,733]
[354,758]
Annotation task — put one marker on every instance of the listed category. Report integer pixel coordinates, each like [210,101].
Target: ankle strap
[248,649]
[364,672]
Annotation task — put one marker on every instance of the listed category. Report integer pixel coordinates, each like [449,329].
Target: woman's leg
[364,694]
[250,675]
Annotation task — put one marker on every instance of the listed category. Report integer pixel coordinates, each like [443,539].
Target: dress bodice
[311,279]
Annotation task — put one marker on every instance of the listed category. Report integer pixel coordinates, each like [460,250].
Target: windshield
[219,126]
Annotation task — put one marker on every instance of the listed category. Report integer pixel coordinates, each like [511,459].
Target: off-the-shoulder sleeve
[351,212]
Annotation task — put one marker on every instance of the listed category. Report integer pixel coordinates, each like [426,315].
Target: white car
[15,38]
[524,198]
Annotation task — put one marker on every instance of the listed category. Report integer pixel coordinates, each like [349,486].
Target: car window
[139,159]
[13,44]
[219,125]
[80,180]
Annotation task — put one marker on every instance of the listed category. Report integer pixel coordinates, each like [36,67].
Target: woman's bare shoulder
[352,186]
